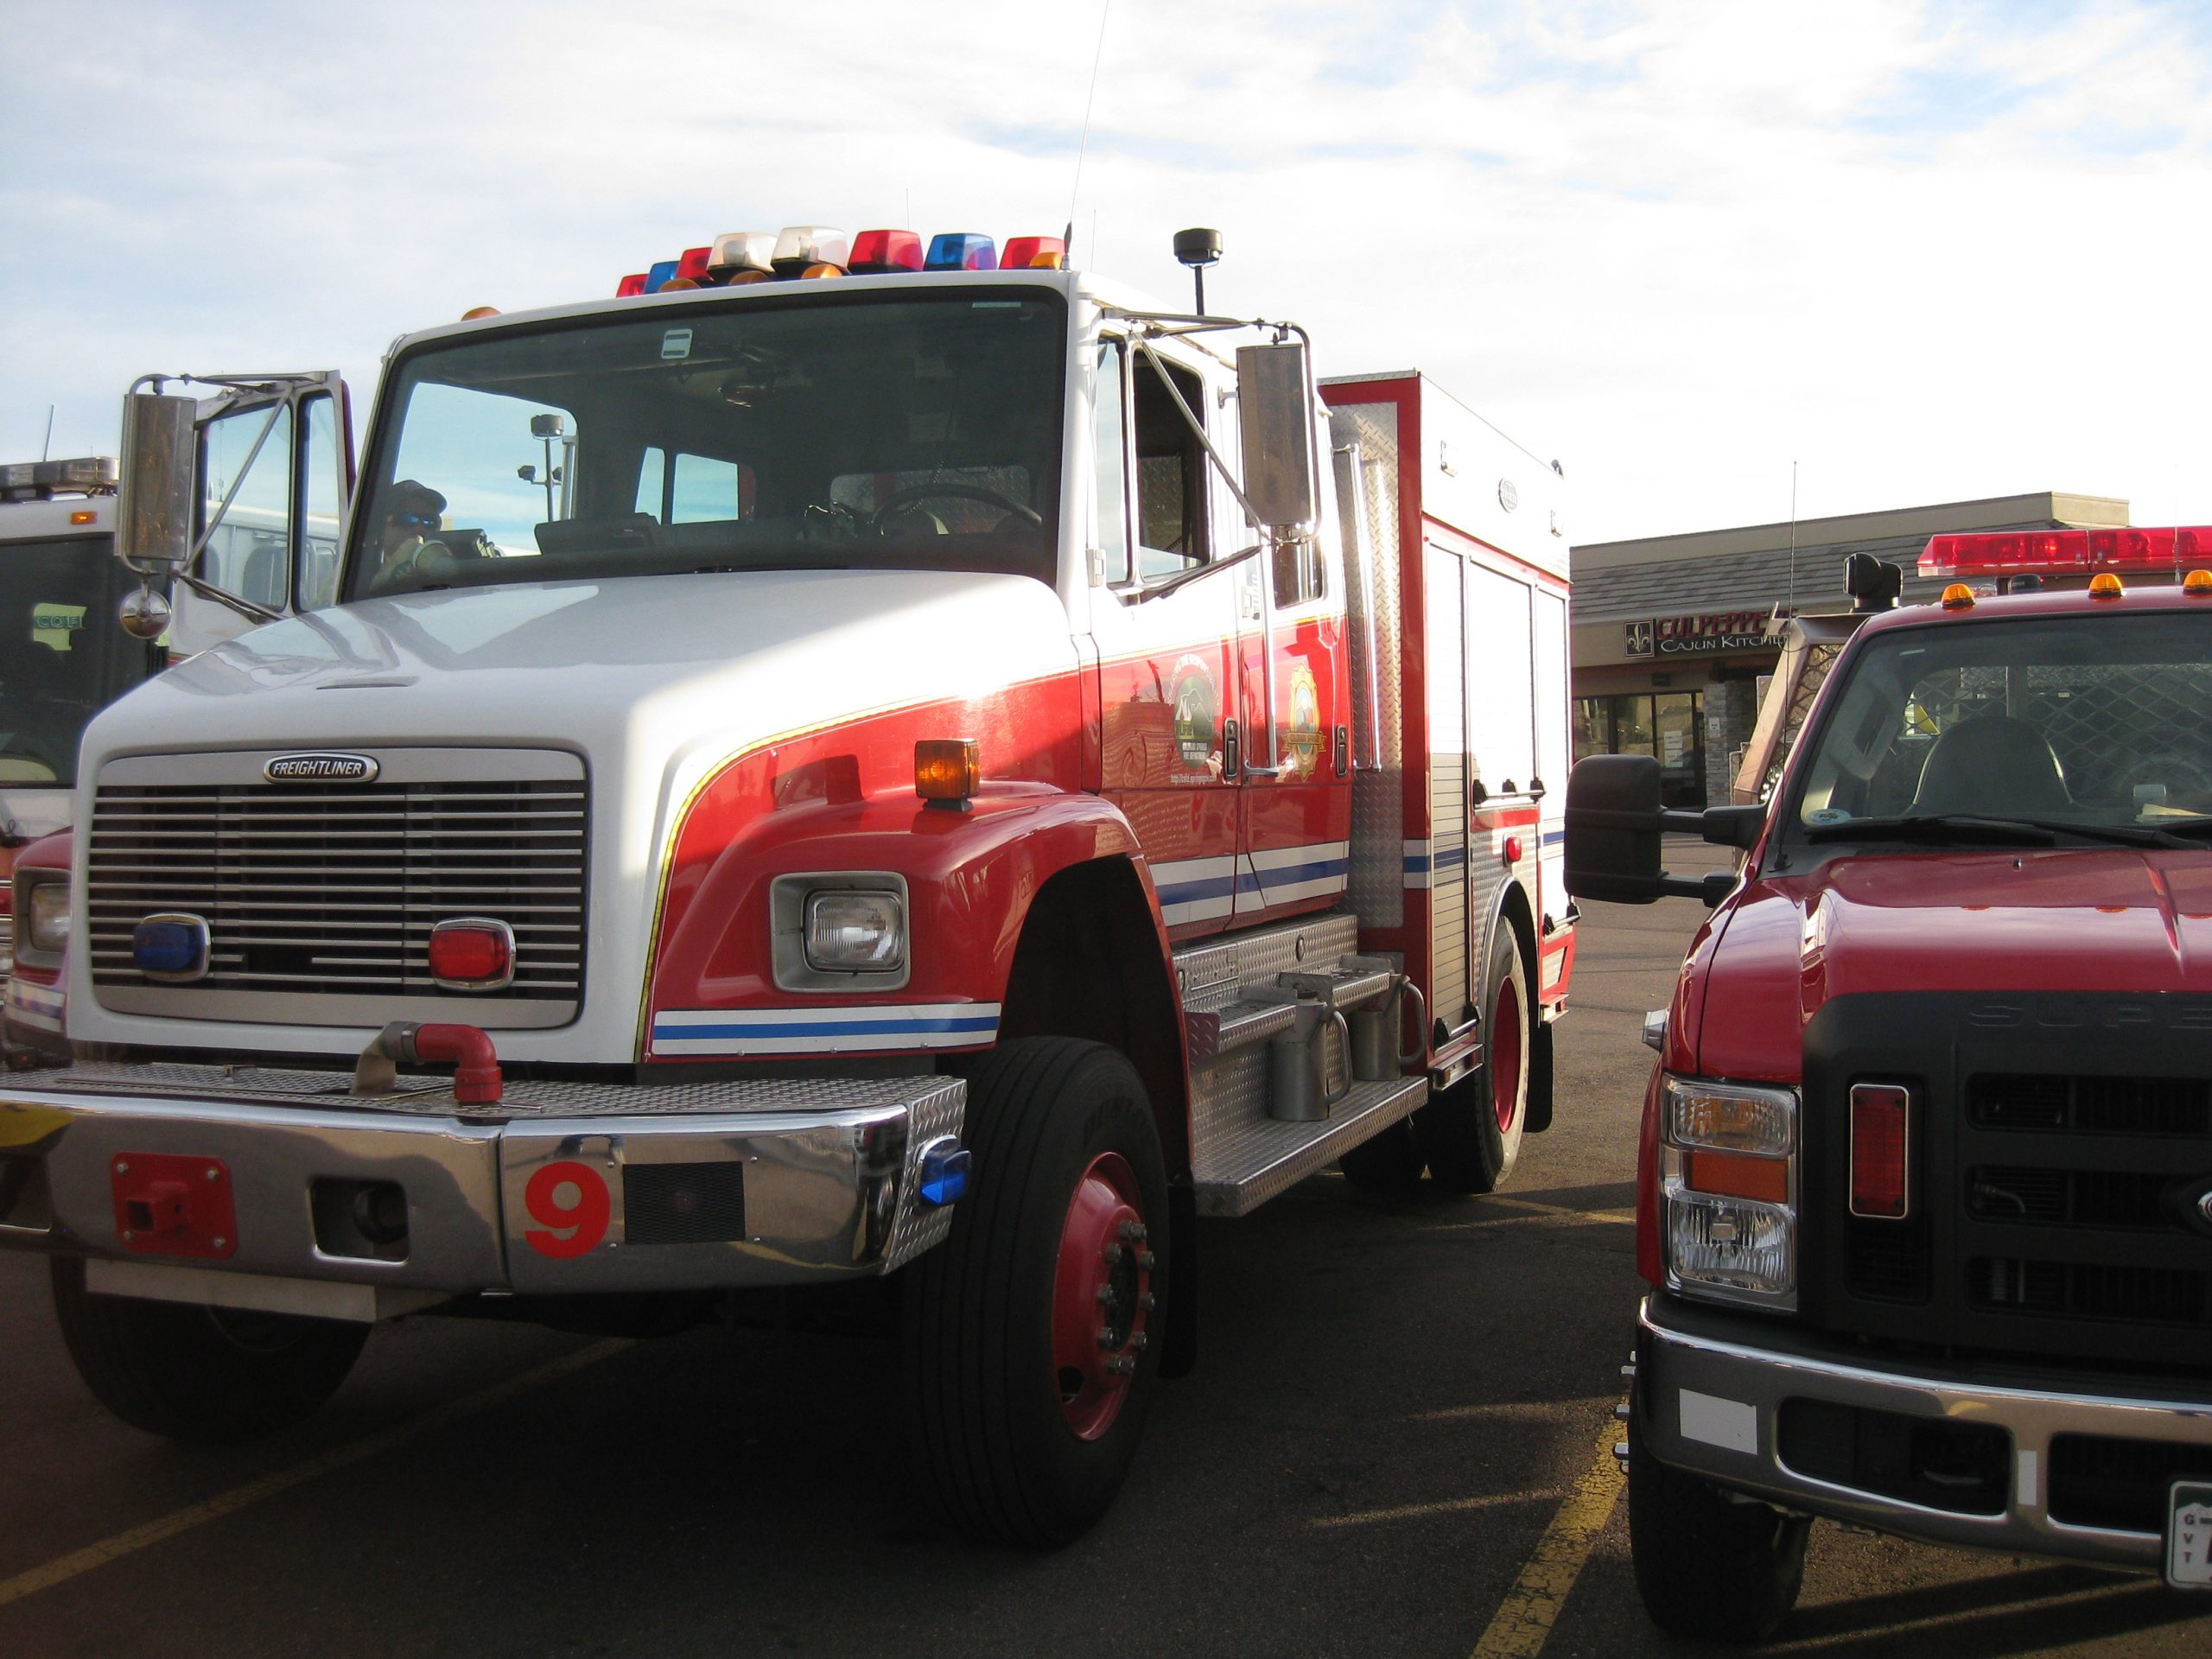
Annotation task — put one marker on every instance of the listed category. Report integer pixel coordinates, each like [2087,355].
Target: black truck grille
[2057,1209]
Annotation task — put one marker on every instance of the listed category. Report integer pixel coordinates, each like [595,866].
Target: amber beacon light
[946,768]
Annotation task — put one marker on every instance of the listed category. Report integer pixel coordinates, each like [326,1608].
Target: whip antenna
[1083,145]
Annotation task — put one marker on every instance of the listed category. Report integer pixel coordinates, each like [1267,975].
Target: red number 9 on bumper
[573,1204]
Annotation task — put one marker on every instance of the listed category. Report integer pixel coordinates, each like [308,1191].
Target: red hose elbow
[476,1064]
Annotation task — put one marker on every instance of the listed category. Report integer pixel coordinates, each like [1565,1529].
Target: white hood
[653,680]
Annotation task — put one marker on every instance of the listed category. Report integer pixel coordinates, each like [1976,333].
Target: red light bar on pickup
[2083,552]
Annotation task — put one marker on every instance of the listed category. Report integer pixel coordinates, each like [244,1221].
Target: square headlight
[46,922]
[856,931]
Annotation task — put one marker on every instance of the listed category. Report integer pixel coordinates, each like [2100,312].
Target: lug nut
[1113,1254]
[1139,1342]
[1105,1337]
[1105,1296]
[1147,1261]
[1135,1231]
[1122,1365]
[1147,1301]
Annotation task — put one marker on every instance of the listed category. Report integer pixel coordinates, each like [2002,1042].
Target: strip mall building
[1674,635]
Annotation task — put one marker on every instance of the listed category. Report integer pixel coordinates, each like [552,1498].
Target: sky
[1909,253]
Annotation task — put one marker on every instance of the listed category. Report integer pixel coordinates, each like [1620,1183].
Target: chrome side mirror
[156,510]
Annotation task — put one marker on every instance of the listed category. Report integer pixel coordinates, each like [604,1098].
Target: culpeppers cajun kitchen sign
[1686,636]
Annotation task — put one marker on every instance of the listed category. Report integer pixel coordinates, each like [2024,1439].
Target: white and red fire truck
[968,773]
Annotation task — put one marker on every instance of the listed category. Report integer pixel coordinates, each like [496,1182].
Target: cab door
[1164,621]
[273,469]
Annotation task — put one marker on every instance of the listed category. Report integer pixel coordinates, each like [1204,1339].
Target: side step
[1262,1156]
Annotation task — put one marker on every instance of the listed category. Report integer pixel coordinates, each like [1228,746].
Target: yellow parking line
[1520,1626]
[239,1498]
[1414,1511]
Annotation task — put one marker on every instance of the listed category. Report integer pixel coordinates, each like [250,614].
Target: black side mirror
[1613,824]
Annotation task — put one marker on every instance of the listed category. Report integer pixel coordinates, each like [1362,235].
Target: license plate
[2188,1535]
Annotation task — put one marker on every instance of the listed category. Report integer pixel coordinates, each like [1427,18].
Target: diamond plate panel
[1264,1157]
[923,1226]
[1377,878]
[1231,1097]
[433,1096]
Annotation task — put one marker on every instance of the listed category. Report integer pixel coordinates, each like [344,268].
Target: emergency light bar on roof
[804,250]
[35,480]
[2080,552]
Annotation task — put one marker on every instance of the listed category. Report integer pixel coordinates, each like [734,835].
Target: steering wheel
[904,501]
[429,558]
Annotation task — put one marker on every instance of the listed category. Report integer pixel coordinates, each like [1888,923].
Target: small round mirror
[144,613]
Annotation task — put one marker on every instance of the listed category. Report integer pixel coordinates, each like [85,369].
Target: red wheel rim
[1102,1296]
[1505,1055]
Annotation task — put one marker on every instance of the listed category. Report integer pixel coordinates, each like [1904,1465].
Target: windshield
[62,657]
[822,431]
[2101,722]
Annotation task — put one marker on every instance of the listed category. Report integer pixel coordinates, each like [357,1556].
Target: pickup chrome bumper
[1714,1408]
[563,1187]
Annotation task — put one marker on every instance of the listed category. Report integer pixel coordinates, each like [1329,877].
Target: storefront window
[1669,726]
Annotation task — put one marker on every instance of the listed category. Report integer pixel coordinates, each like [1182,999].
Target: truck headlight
[856,931]
[1728,1169]
[840,930]
[46,919]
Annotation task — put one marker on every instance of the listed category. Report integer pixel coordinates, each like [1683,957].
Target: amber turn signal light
[1738,1175]
[1958,597]
[2197,584]
[947,768]
[2104,585]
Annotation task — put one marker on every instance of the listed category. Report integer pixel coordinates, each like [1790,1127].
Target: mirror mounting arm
[245,607]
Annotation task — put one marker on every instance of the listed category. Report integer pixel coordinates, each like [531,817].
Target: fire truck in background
[61,657]
[273,456]
[1925,1181]
[965,775]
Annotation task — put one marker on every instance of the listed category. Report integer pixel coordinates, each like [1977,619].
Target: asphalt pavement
[1393,1444]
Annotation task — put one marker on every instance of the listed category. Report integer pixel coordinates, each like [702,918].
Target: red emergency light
[1881,1151]
[691,266]
[878,251]
[630,286]
[1033,253]
[2082,552]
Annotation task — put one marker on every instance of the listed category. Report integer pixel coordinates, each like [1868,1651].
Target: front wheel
[1030,1332]
[1471,1134]
[1708,1566]
[206,1376]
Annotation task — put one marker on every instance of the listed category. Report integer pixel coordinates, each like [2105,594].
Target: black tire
[1707,1566]
[998,1420]
[1469,1134]
[1385,1164]
[209,1376]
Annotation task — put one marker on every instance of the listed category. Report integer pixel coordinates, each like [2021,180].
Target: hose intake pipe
[476,1080]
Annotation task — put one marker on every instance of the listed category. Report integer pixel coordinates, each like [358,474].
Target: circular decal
[1508,494]
[1198,715]
[1828,814]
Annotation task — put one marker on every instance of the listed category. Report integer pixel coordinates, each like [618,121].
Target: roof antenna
[1083,145]
[1198,248]
[1793,538]
[46,450]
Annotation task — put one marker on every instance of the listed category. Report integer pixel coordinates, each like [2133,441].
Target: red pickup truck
[1925,1183]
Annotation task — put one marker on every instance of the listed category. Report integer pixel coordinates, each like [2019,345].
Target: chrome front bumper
[1712,1406]
[806,1180]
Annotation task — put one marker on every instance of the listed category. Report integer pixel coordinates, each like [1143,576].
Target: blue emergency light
[661,273]
[944,1172]
[960,250]
[170,947]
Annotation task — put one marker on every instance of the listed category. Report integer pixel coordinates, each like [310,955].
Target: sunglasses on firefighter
[414,520]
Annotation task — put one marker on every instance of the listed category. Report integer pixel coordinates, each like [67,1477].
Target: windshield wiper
[1937,827]
[1958,826]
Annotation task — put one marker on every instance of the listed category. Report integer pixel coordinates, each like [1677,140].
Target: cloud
[1928,251]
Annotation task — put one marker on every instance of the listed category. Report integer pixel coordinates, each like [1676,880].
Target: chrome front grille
[322,890]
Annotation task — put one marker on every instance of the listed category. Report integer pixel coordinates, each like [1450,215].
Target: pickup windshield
[63,658]
[2072,730]
[807,431]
